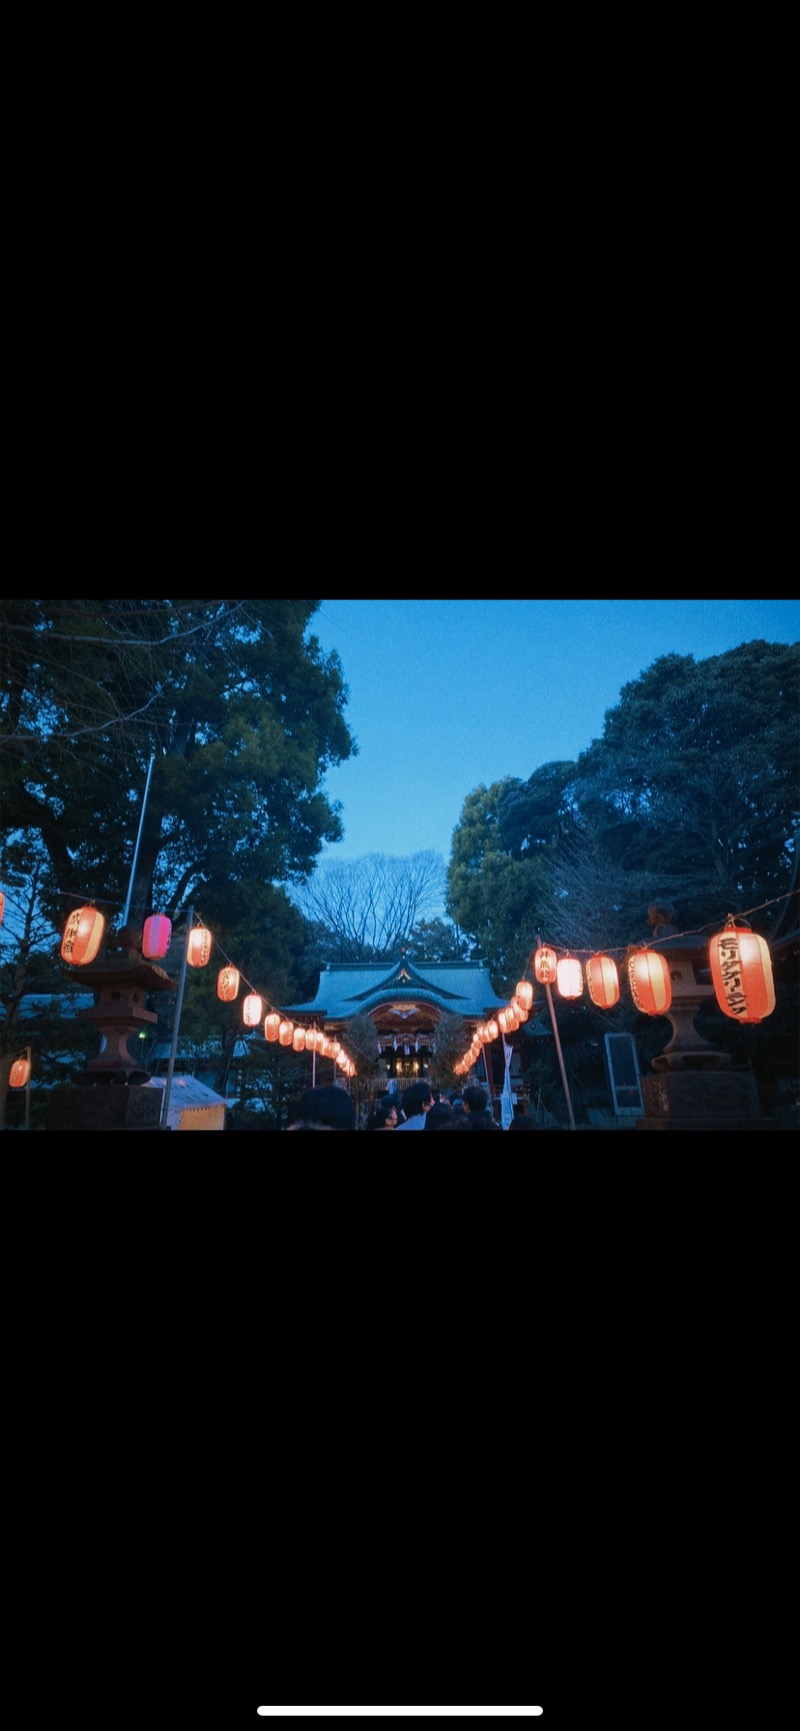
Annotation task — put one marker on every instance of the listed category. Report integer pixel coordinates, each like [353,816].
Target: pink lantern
[156,936]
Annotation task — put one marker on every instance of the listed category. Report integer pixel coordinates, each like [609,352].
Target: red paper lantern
[523,992]
[285,1033]
[272,1025]
[20,1073]
[252,1010]
[545,963]
[156,936]
[83,935]
[228,984]
[569,977]
[198,948]
[741,971]
[650,983]
[602,980]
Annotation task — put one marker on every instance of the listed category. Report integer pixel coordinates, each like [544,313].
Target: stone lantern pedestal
[694,1086]
[109,1095]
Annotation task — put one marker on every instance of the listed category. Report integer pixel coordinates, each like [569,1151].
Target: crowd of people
[419,1108]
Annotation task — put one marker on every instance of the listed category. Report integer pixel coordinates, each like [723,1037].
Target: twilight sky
[448,696]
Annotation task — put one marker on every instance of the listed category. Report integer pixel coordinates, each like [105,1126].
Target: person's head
[441,1116]
[323,1109]
[384,1117]
[522,1121]
[418,1098]
[476,1098]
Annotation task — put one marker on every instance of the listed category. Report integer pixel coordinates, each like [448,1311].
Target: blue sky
[446,696]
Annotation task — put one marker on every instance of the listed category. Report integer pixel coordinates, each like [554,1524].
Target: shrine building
[406,1002]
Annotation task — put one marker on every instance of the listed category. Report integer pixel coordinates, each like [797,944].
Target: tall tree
[234,705]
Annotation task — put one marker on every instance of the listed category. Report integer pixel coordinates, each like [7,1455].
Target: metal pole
[127,907]
[177,1022]
[28,1092]
[557,1037]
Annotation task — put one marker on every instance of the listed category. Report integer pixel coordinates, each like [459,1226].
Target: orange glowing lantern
[741,971]
[83,935]
[602,980]
[198,948]
[285,1033]
[228,984]
[20,1073]
[272,1025]
[252,1010]
[313,1039]
[651,986]
[569,977]
[545,964]
[299,1040]
[523,992]
[2,906]
[505,1020]
[492,1030]
[156,936]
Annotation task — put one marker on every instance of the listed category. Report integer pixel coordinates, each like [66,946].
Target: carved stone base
[106,1109]
[701,1100]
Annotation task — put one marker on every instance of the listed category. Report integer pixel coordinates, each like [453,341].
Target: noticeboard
[622,1068]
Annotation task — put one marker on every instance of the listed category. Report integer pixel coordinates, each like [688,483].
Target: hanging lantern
[602,980]
[492,1030]
[545,963]
[285,1033]
[198,948]
[228,984]
[520,1010]
[20,1073]
[252,1010]
[741,971]
[314,1040]
[272,1025]
[156,936]
[83,935]
[523,992]
[569,977]
[651,986]
[299,1040]
[2,906]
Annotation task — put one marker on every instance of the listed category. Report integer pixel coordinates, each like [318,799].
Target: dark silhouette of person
[323,1109]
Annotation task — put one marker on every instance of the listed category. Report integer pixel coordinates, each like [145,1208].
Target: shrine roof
[348,989]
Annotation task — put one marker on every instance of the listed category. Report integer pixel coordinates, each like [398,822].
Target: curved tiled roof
[348,989]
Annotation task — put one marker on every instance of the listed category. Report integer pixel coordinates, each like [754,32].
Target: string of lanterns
[741,973]
[83,935]
[739,959]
